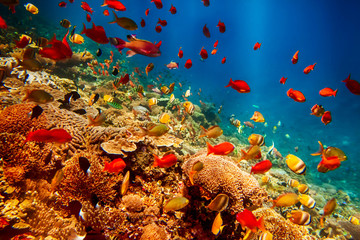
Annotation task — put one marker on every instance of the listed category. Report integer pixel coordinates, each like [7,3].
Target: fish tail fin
[335,92]
[104,4]
[210,148]
[204,133]
[244,154]
[156,160]
[144,131]
[230,83]
[261,225]
[116,17]
[321,149]
[84,29]
[91,120]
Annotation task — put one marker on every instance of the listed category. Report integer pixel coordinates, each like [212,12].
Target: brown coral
[221,175]
[153,231]
[118,146]
[133,203]
[281,228]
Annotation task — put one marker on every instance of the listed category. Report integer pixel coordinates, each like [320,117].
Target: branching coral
[221,175]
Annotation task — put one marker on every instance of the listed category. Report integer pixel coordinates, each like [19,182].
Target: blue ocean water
[325,32]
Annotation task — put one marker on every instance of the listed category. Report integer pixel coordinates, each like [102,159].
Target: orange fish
[138,46]
[286,200]
[169,159]
[172,9]
[221,149]
[158,3]
[213,52]
[328,163]
[223,60]
[106,12]
[203,53]
[115,166]
[247,219]
[114,4]
[309,68]
[88,18]
[206,31]
[142,23]
[261,167]
[221,26]
[254,152]
[352,85]
[162,22]
[326,117]
[2,23]
[283,80]
[317,110]
[216,43]
[257,117]
[328,209]
[328,92]
[239,85]
[158,29]
[86,7]
[146,12]
[148,68]
[296,95]
[257,46]
[295,58]
[181,53]
[188,64]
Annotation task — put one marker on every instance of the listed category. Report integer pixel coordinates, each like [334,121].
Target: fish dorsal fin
[212,127]
[158,44]
[131,38]
[168,153]
[151,126]
[93,25]
[319,152]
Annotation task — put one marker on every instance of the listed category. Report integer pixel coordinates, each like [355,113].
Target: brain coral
[221,175]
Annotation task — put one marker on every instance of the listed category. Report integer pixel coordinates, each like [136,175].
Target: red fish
[257,46]
[223,60]
[247,219]
[162,22]
[328,92]
[283,80]
[142,23]
[106,12]
[158,29]
[125,79]
[115,166]
[203,53]
[295,58]
[296,95]
[62,4]
[326,117]
[2,23]
[139,46]
[261,167]
[309,68]
[172,9]
[188,64]
[239,85]
[216,43]
[114,4]
[329,163]
[181,53]
[352,85]
[221,149]
[221,26]
[23,42]
[88,18]
[168,160]
[96,33]
[71,1]
[206,31]
[317,110]
[59,49]
[158,3]
[206,2]
[86,7]
[147,12]
[54,135]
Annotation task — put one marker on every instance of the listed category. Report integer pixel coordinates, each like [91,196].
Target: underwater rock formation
[221,175]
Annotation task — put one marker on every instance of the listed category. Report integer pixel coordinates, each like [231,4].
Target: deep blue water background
[326,32]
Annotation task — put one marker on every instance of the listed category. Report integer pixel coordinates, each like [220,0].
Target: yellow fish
[303,188]
[189,107]
[293,183]
[256,139]
[286,200]
[31,8]
[307,201]
[217,226]
[266,236]
[295,164]
[265,179]
[354,220]
[164,118]
[212,132]
[300,217]
[172,98]
[152,102]
[176,203]
[76,38]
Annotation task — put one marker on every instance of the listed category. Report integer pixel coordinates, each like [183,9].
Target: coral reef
[221,175]
[153,231]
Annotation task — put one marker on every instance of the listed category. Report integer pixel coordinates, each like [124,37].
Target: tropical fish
[257,46]
[206,31]
[295,164]
[293,183]
[54,135]
[328,92]
[125,183]
[65,23]
[157,3]
[169,159]
[307,201]
[96,33]
[261,167]
[266,236]
[88,17]
[187,93]
[203,53]
[98,120]
[223,60]
[328,209]
[257,117]
[172,9]
[31,8]
[106,12]
[115,71]
[113,102]
[295,58]
[55,181]
[156,130]
[317,110]
[138,46]
[164,118]
[330,152]
[180,53]
[93,99]
[115,166]
[176,203]
[212,132]
[86,7]
[76,38]
[256,139]
[326,117]
[152,101]
[59,50]
[162,22]
[114,4]
[197,167]
[142,22]
[147,12]
[254,152]
[296,95]
[206,2]
[300,217]
[149,68]
[23,41]
[217,226]
[62,4]
[158,29]
[125,22]
[38,96]
[352,85]
[71,96]
[221,149]
[354,220]
[221,26]
[219,203]
[189,107]
[303,188]
[172,65]
[249,124]
[3,24]
[285,200]
[239,85]
[188,64]
[247,219]
[283,80]
[172,98]
[214,51]
[98,52]
[309,68]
